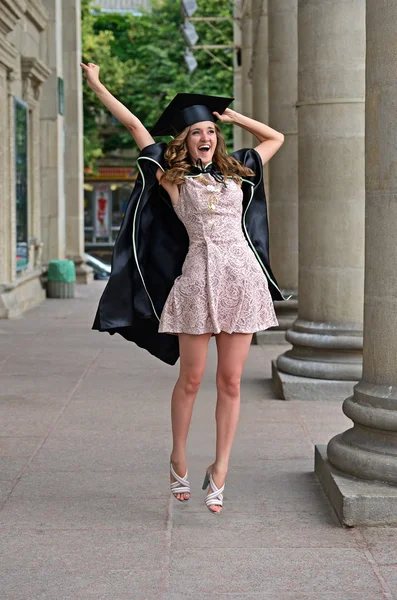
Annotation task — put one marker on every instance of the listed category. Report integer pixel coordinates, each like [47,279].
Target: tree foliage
[141,60]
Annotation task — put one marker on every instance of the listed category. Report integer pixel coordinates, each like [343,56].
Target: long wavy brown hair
[178,160]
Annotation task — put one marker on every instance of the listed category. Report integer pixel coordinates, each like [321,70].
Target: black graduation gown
[151,247]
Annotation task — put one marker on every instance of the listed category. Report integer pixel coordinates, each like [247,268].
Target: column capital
[37,13]
[10,13]
[8,55]
[34,74]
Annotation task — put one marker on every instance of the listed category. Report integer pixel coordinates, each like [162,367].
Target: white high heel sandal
[215,497]
[180,486]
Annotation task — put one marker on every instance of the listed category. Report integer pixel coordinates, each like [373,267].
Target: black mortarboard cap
[186,109]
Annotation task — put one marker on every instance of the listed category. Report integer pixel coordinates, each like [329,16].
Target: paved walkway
[85,511]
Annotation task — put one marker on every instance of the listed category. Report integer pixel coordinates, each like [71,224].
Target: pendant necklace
[212,189]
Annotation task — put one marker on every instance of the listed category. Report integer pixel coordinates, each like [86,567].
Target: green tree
[141,60]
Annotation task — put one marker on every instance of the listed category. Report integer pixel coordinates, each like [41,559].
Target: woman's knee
[229,384]
[190,383]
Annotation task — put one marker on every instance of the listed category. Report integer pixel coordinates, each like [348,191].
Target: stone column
[326,358]
[283,167]
[260,70]
[246,68]
[52,140]
[368,451]
[237,83]
[74,160]
[8,63]
[34,73]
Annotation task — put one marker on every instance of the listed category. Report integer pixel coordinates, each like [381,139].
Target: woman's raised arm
[270,139]
[138,131]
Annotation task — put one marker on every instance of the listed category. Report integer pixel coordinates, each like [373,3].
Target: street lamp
[190,60]
[189,33]
[189,7]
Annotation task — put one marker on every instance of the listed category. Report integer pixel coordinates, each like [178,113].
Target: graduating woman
[191,261]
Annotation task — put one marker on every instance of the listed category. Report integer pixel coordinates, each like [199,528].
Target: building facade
[41,156]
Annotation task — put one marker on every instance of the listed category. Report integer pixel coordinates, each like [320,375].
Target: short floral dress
[222,286]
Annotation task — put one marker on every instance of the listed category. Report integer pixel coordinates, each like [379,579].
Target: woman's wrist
[97,87]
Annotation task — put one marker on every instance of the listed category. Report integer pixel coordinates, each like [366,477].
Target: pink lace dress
[222,286]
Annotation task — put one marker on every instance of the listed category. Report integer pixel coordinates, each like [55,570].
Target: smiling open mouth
[205,148]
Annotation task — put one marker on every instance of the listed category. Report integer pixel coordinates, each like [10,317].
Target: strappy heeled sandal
[180,485]
[215,497]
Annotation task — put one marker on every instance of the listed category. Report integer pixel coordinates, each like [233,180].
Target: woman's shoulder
[249,158]
[154,152]
[246,155]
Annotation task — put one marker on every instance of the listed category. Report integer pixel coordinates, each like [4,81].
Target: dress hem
[216,332]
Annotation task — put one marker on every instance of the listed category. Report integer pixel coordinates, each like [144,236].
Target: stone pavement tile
[320,412]
[266,410]
[81,500]
[118,414]
[264,595]
[270,485]
[322,435]
[39,350]
[10,467]
[48,583]
[258,529]
[263,440]
[17,446]
[277,572]
[133,452]
[5,489]
[382,543]
[132,382]
[36,383]
[27,417]
[93,551]
[389,573]
[122,358]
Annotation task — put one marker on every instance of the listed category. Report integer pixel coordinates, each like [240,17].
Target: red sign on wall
[102,204]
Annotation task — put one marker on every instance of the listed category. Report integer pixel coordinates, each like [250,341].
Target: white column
[246,68]
[52,140]
[326,358]
[9,16]
[260,70]
[237,83]
[368,451]
[283,167]
[73,123]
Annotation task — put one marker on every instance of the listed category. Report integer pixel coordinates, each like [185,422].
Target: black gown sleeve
[254,219]
[148,254]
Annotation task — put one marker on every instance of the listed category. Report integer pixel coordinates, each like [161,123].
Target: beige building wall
[52,139]
[22,75]
[31,61]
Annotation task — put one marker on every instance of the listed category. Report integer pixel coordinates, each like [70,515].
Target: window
[104,208]
[21,183]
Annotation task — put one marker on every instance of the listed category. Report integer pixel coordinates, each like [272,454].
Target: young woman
[191,260]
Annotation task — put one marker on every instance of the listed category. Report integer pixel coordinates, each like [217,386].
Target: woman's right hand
[91,72]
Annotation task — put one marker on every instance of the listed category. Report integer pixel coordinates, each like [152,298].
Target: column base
[23,294]
[292,387]
[323,351]
[356,502]
[84,273]
[273,336]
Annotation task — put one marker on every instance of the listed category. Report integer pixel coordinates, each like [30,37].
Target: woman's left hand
[226,117]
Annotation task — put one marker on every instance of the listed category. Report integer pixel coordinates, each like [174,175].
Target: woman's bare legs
[193,356]
[232,353]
